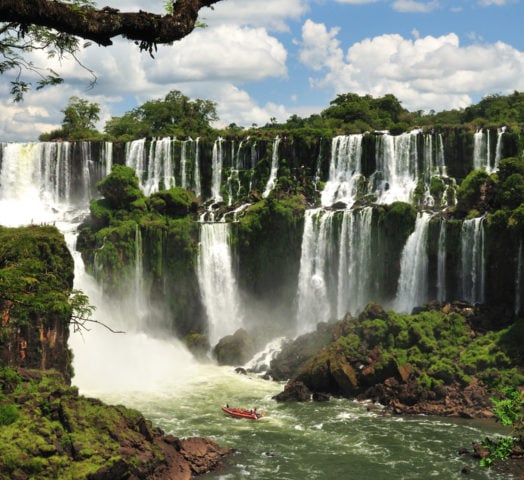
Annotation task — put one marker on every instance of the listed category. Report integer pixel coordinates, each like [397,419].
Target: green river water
[339,439]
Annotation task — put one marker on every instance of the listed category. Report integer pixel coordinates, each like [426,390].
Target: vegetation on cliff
[440,360]
[49,431]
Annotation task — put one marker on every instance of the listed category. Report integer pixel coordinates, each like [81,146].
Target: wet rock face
[235,349]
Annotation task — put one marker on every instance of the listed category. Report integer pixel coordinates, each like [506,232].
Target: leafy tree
[175,115]
[509,409]
[56,26]
[120,188]
[80,117]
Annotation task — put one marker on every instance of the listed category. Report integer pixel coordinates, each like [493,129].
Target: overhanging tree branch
[101,26]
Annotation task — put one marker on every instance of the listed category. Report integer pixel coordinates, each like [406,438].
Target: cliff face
[36,278]
[439,361]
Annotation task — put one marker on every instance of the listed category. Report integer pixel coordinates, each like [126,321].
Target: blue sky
[263,59]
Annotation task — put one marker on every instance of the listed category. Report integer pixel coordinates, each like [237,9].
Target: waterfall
[37,180]
[498,148]
[183,161]
[196,170]
[440,157]
[312,296]
[108,157]
[334,277]
[441,263]
[160,170]
[344,170]
[397,167]
[518,280]
[136,159]
[412,289]
[217,165]
[274,168]
[216,278]
[354,272]
[233,178]
[482,151]
[139,297]
[472,260]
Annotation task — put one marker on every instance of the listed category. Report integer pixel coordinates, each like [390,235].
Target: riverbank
[49,431]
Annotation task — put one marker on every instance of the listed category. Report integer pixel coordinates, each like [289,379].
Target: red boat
[243,413]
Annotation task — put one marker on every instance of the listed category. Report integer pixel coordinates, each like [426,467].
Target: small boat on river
[252,414]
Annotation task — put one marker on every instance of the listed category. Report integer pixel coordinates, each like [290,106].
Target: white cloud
[225,52]
[356,2]
[424,73]
[414,6]
[270,14]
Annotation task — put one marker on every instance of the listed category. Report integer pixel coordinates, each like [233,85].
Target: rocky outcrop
[53,432]
[433,362]
[235,349]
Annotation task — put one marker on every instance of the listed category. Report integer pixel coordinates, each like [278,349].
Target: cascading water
[270,185]
[397,163]
[441,263]
[344,170]
[197,187]
[335,277]
[472,260]
[159,377]
[314,305]
[355,255]
[217,165]
[498,148]
[482,151]
[412,287]
[218,285]
[160,168]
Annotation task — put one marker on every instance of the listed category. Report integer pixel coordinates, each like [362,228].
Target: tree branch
[102,25]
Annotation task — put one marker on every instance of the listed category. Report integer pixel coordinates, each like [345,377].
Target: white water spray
[412,287]
[441,263]
[472,260]
[218,285]
[344,170]
[274,169]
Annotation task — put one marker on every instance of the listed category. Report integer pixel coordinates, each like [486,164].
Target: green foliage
[8,414]
[469,192]
[509,409]
[365,111]
[174,115]
[120,188]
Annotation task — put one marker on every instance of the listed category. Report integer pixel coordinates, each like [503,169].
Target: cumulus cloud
[270,14]
[414,6]
[424,73]
[235,48]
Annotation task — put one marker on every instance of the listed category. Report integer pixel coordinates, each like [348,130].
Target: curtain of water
[313,280]
[355,255]
[472,260]
[344,170]
[397,161]
[412,286]
[274,168]
[498,149]
[217,165]
[217,281]
[136,159]
[441,263]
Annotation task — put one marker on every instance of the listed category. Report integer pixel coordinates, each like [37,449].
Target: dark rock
[320,397]
[294,392]
[235,349]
